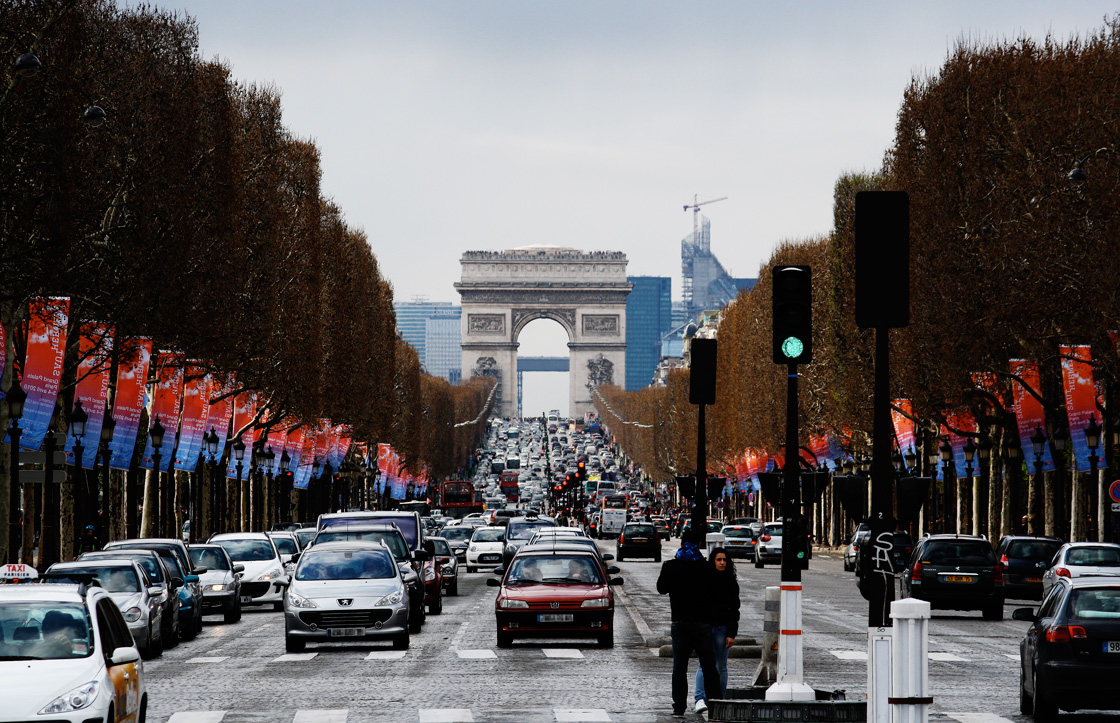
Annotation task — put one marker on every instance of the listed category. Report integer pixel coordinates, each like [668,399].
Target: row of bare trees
[193,216]
[1011,161]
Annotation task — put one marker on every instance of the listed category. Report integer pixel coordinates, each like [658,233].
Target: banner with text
[902,414]
[167,399]
[1029,415]
[194,416]
[218,413]
[95,346]
[128,403]
[1081,399]
[42,367]
[244,410]
[960,423]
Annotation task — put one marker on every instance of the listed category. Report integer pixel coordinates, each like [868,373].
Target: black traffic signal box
[792,315]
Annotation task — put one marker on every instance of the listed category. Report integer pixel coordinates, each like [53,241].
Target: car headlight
[216,588]
[271,574]
[429,574]
[447,569]
[598,602]
[511,603]
[474,548]
[299,601]
[80,697]
[393,598]
[132,614]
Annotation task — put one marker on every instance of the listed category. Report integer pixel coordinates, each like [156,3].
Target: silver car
[449,564]
[126,584]
[221,583]
[342,591]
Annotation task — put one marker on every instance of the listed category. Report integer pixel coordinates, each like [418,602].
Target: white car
[264,578]
[769,547]
[485,548]
[66,654]
[1082,559]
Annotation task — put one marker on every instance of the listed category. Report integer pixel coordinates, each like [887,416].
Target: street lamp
[155,435]
[107,427]
[78,419]
[15,400]
[896,460]
[911,458]
[239,457]
[281,507]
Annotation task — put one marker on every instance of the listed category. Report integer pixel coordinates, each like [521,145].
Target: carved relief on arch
[600,325]
[566,318]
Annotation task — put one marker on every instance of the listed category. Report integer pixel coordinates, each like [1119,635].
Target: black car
[956,572]
[638,539]
[1070,657]
[1025,559]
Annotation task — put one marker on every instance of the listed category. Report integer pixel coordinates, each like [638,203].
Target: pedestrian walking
[725,621]
[689,581]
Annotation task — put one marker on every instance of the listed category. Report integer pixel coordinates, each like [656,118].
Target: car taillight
[998,577]
[916,573]
[1064,633]
[766,538]
[1062,572]
[1003,561]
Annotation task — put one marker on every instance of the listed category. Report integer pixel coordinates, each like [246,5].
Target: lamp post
[1093,440]
[239,456]
[1060,441]
[946,451]
[78,419]
[1014,453]
[15,400]
[266,493]
[107,427]
[1038,440]
[315,492]
[984,451]
[969,455]
[155,434]
[283,491]
[212,442]
[911,459]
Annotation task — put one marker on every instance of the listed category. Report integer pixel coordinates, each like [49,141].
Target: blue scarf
[689,552]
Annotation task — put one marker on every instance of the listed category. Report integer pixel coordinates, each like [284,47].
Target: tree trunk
[116,506]
[245,505]
[1050,492]
[151,504]
[49,538]
[30,514]
[1104,509]
[69,517]
[1009,483]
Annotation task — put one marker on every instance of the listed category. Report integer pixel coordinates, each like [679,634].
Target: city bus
[458,499]
[509,487]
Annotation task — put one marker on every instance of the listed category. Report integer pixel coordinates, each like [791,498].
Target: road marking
[947,658]
[562,653]
[386,654]
[212,659]
[978,718]
[639,621]
[476,654]
[850,654]
[197,716]
[337,715]
[655,651]
[446,715]
[579,715]
[294,657]
[1014,656]
[458,635]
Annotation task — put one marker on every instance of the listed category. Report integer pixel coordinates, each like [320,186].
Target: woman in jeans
[725,623]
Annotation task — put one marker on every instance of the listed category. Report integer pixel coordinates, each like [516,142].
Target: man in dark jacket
[688,580]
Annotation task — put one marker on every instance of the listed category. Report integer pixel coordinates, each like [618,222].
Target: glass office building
[432,329]
[648,317]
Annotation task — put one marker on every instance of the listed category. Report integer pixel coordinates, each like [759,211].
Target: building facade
[648,317]
[431,328]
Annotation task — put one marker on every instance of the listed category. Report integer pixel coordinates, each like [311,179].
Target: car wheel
[657,557]
[606,640]
[191,630]
[1025,703]
[400,642]
[619,556]
[757,561]
[278,606]
[233,614]
[172,635]
[472,568]
[847,567]
[993,611]
[142,716]
[505,640]
[454,588]
[293,645]
[159,644]
[414,622]
[1042,707]
[436,607]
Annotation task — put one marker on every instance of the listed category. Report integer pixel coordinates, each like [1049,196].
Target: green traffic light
[792,347]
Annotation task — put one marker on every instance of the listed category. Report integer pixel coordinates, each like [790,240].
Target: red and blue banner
[902,415]
[1028,410]
[389,463]
[132,379]
[961,424]
[324,441]
[306,456]
[294,446]
[95,346]
[244,410]
[218,413]
[167,401]
[42,367]
[1081,399]
[193,425]
[3,357]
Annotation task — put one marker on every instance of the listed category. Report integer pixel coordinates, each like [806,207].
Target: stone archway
[585,292]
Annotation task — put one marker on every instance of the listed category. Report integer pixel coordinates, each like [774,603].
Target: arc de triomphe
[585,292]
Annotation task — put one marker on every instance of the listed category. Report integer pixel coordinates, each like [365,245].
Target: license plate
[1112,646]
[957,578]
[636,540]
[246,599]
[555,618]
[1034,579]
[345,632]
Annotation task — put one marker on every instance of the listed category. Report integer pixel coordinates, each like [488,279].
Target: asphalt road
[454,672]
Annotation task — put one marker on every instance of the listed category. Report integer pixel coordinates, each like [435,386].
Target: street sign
[1116,506]
[1114,491]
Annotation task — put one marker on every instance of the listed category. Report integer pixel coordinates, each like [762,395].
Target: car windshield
[736,532]
[44,630]
[772,530]
[208,557]
[638,530]
[248,550]
[112,579]
[1101,603]
[1033,549]
[525,530]
[457,534]
[286,545]
[959,552]
[559,570]
[442,548]
[489,534]
[306,535]
[346,565]
[1094,556]
[392,539]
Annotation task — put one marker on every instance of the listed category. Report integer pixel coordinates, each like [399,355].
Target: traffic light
[792,315]
[581,472]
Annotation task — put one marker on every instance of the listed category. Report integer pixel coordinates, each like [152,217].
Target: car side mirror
[493,582]
[1025,614]
[155,591]
[607,557]
[200,570]
[615,581]
[124,656]
[281,582]
[239,568]
[294,560]
[176,583]
[192,578]
[429,547]
[499,571]
[421,556]
[612,569]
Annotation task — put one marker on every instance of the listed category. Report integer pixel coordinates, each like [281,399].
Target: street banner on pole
[132,378]
[167,400]
[244,409]
[958,421]
[902,415]
[324,440]
[95,344]
[294,447]
[1081,399]
[194,416]
[302,477]
[277,437]
[819,444]
[42,367]
[218,413]
[388,463]
[1028,410]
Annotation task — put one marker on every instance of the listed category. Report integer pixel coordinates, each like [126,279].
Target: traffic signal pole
[700,496]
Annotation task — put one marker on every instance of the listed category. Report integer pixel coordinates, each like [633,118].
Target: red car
[549,590]
[433,585]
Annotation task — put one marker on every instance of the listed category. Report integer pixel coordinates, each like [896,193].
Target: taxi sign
[18,571]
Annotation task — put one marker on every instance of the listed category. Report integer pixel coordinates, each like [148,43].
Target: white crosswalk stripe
[562,653]
[446,715]
[294,657]
[386,654]
[850,654]
[580,715]
[484,654]
[947,658]
[978,718]
[209,659]
[320,716]
[197,716]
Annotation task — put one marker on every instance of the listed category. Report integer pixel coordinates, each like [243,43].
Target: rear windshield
[248,550]
[639,530]
[1094,556]
[44,631]
[112,579]
[393,539]
[736,532]
[1033,549]
[959,552]
[457,534]
[286,545]
[1103,603]
[775,530]
[525,530]
[441,547]
[558,570]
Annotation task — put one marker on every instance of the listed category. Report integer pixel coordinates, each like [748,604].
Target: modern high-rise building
[431,328]
[648,317]
[706,285]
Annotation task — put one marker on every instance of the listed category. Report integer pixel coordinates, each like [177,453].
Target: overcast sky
[448,126]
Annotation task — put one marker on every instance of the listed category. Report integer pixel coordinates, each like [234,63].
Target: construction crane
[695,206]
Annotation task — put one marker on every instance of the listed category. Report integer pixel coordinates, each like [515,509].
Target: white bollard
[791,670]
[910,699]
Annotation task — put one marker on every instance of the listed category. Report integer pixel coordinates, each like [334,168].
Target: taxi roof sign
[18,571]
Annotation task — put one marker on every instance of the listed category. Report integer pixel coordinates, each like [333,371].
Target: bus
[458,498]
[509,487]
